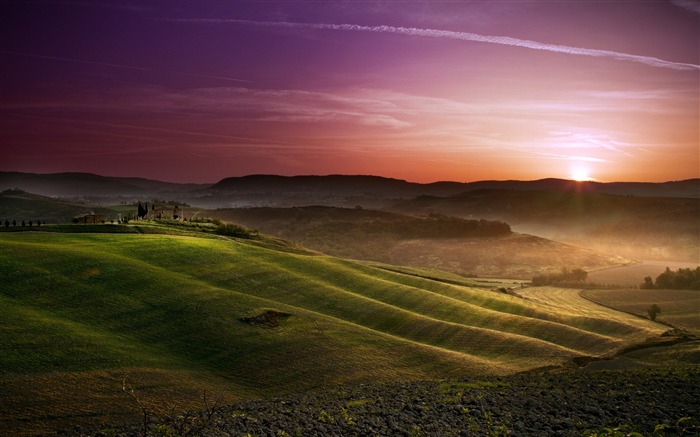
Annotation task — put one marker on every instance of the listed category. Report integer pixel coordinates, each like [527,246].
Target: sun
[580,173]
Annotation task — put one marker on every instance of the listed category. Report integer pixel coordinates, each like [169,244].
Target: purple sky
[195,91]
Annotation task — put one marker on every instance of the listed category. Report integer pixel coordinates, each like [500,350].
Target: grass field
[681,308]
[85,312]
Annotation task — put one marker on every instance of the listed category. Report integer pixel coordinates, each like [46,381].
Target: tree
[665,280]
[653,311]
[648,283]
[579,275]
[684,278]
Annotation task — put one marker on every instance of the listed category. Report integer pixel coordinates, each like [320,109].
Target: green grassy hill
[174,315]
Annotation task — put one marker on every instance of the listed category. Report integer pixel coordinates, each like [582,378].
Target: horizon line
[593,180]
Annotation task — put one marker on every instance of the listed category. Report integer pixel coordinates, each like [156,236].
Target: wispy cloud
[586,140]
[354,122]
[238,103]
[464,36]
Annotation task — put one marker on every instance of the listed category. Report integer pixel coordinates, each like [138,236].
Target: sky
[196,91]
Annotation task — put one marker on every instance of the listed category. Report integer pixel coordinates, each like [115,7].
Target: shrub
[230,230]
[653,311]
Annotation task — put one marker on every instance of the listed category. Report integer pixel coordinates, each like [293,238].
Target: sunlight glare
[580,173]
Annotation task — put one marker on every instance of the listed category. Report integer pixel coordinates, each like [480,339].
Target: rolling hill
[635,220]
[430,242]
[651,228]
[20,205]
[355,185]
[86,314]
[330,190]
[465,247]
[89,185]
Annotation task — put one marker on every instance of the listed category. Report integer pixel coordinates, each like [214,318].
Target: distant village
[143,211]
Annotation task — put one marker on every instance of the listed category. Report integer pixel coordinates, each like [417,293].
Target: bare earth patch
[269,318]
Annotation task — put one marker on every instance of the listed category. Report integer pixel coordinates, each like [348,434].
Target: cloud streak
[464,36]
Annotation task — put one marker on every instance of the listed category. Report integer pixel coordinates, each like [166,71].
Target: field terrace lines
[292,288]
[393,319]
[570,301]
[113,313]
[228,274]
[379,288]
[204,292]
[506,307]
[321,267]
[477,308]
[679,307]
[220,269]
[444,307]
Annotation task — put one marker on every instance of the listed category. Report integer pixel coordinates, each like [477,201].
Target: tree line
[687,279]
[566,277]
[22,223]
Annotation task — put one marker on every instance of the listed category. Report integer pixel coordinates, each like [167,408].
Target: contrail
[81,61]
[129,67]
[464,36]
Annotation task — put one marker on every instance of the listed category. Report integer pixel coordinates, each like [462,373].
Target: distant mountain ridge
[343,184]
[311,186]
[88,184]
[334,185]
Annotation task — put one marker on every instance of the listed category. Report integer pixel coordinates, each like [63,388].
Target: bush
[230,230]
[653,311]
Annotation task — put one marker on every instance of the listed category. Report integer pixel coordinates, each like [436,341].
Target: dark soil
[649,401]
[269,318]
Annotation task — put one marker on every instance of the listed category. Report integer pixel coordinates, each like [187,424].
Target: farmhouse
[89,218]
[143,212]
